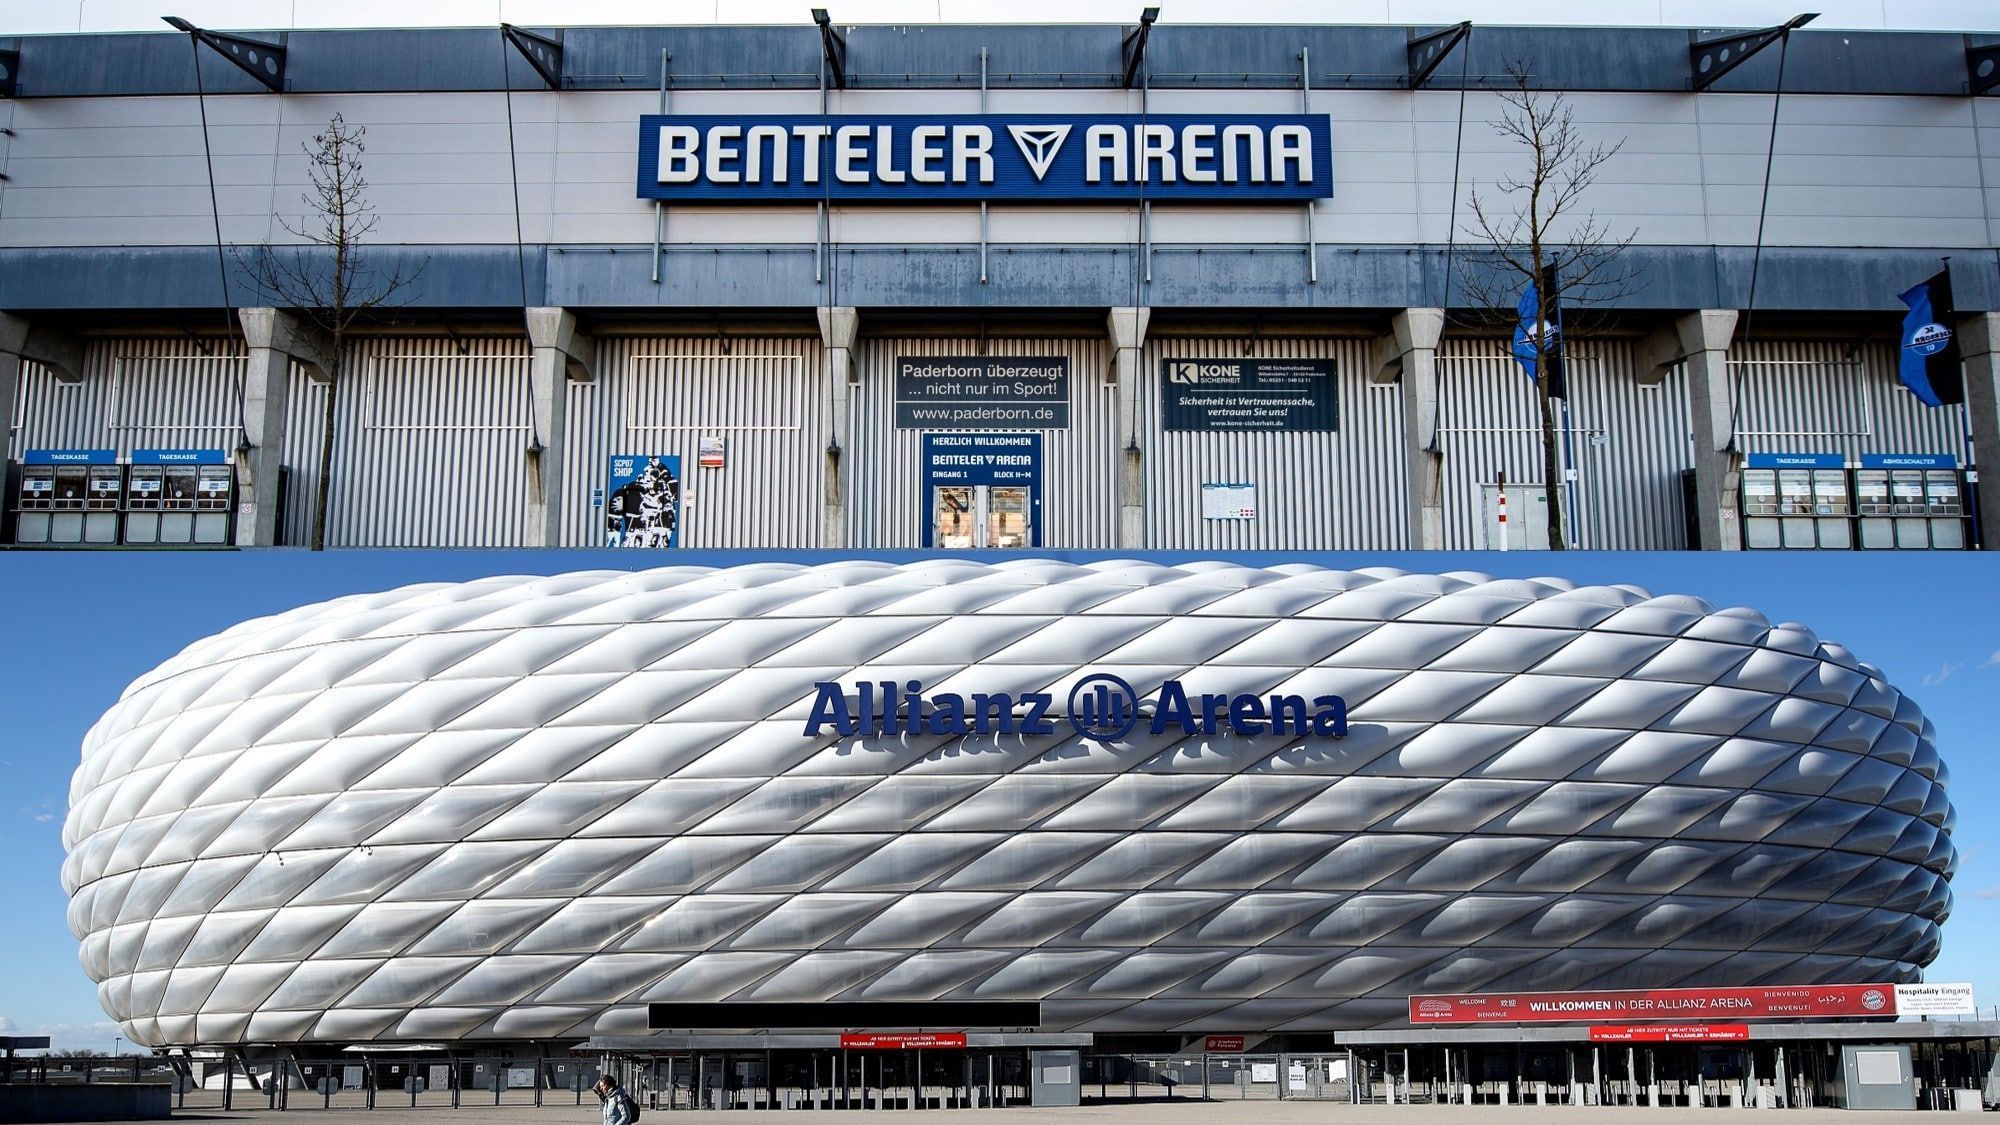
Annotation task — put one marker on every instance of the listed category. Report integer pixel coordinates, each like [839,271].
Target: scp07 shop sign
[643,501]
[1714,1005]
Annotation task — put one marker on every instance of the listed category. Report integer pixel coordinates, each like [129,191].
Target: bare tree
[329,280]
[1538,233]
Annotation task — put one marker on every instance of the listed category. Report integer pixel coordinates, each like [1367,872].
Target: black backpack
[631,1106]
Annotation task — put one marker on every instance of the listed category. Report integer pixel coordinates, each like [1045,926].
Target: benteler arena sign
[890,158]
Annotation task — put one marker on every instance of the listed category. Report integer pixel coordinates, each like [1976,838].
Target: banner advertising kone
[1705,1004]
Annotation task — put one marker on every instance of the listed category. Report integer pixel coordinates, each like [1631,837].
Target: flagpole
[1969,495]
[1757,252]
[1569,429]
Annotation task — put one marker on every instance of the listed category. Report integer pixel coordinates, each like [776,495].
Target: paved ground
[1145,1113]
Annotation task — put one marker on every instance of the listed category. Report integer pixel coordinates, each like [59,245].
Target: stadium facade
[910,286]
[524,809]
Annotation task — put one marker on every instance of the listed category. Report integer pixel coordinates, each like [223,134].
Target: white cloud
[43,812]
[1945,672]
[6,1024]
[97,1035]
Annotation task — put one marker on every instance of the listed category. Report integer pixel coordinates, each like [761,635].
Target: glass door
[1007,517]
[982,517]
[954,522]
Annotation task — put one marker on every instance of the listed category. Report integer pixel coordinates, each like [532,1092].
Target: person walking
[618,1108]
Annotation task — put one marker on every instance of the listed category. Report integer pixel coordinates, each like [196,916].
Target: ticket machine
[179,497]
[1911,502]
[1796,500]
[88,497]
[67,497]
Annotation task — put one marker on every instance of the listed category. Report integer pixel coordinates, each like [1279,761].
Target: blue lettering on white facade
[891,157]
[1101,708]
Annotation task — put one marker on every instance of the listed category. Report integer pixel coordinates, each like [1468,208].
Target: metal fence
[235,1083]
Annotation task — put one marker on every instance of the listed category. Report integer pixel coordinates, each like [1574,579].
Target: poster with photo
[642,504]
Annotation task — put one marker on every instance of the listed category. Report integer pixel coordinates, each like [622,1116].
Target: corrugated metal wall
[763,396]
[887,507]
[1315,491]
[1830,396]
[432,441]
[1630,442]
[138,393]
[430,445]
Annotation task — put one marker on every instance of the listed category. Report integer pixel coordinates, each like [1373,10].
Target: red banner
[1669,1033]
[1223,1044]
[1703,1004]
[915,1040]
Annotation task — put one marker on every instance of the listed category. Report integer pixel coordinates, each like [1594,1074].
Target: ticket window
[177,505]
[34,504]
[1801,509]
[106,491]
[1946,505]
[214,496]
[1871,503]
[1761,525]
[982,517]
[1832,509]
[1795,498]
[145,494]
[1906,495]
[68,505]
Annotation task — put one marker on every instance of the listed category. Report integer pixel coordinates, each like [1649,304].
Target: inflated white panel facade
[523,807]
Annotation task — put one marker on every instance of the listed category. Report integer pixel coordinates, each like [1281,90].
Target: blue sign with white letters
[958,463]
[1908,461]
[1796,461]
[70,457]
[887,158]
[179,457]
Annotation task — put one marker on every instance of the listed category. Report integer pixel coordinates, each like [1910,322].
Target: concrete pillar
[838,327]
[1408,356]
[1701,341]
[1127,326]
[274,339]
[562,352]
[20,340]
[1979,343]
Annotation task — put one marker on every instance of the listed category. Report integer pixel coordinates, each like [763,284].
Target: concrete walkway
[1141,1113]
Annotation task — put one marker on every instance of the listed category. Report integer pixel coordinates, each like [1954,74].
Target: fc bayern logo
[1873,1000]
[1930,339]
[1103,708]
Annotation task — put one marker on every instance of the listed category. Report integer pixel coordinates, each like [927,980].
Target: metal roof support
[833,46]
[1134,46]
[260,60]
[10,73]
[543,53]
[1427,51]
[1717,55]
[1982,68]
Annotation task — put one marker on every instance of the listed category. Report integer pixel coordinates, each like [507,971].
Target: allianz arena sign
[1101,707]
[526,808]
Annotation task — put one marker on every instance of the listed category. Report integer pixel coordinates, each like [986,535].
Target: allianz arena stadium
[525,808]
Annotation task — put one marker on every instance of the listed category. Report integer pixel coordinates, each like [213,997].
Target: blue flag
[1928,362]
[1528,326]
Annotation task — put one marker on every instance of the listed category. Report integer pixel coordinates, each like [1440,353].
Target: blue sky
[81,626]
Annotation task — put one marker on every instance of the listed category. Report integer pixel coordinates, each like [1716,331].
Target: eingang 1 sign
[886,158]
